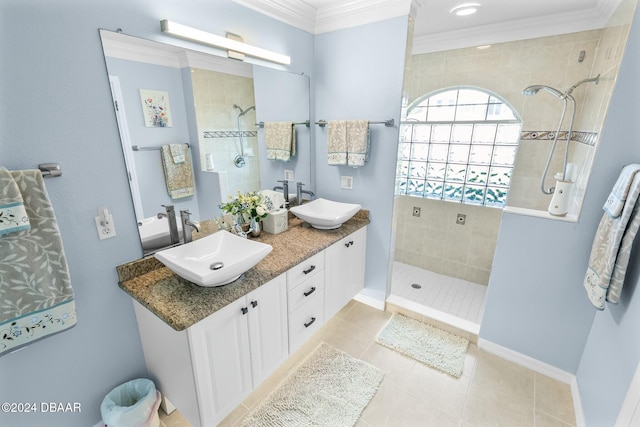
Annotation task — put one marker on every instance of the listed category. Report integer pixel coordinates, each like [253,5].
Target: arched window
[458,144]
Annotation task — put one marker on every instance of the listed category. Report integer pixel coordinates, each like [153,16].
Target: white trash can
[132,404]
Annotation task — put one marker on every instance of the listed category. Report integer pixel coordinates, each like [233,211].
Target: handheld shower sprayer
[565,96]
[239,160]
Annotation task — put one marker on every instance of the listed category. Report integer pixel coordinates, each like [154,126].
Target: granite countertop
[181,304]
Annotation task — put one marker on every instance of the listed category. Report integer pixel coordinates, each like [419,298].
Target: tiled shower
[449,252]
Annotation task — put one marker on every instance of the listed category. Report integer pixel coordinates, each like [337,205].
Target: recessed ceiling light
[465,9]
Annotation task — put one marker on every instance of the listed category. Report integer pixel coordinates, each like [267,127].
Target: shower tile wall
[215,93]
[435,242]
[507,68]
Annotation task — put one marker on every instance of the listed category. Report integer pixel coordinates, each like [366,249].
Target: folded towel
[178,175]
[280,140]
[36,299]
[616,200]
[357,142]
[13,216]
[612,247]
[337,142]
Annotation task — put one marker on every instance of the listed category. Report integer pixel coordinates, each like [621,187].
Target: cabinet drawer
[305,291]
[305,270]
[306,321]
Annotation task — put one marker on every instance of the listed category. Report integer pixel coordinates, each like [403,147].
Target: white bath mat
[329,388]
[425,343]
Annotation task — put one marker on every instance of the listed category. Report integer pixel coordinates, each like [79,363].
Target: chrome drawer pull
[310,291]
[244,310]
[310,322]
[309,270]
[349,244]
[254,304]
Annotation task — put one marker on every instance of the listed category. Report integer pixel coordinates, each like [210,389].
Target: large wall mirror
[166,95]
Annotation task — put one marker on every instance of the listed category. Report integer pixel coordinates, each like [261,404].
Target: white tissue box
[276,222]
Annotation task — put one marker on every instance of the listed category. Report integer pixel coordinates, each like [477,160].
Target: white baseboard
[541,368]
[369,300]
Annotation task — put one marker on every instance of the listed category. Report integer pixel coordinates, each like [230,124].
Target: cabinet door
[344,269]
[221,360]
[268,331]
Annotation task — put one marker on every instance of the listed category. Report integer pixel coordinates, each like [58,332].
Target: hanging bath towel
[178,170]
[612,243]
[337,142]
[280,140]
[357,142]
[36,299]
[13,215]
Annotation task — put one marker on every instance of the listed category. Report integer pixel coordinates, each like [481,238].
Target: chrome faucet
[300,192]
[285,191]
[187,225]
[170,214]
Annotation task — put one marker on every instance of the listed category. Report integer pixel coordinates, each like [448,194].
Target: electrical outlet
[104,225]
[416,211]
[461,219]
[346,182]
[288,175]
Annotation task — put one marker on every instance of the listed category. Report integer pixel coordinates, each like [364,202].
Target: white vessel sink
[325,214]
[215,260]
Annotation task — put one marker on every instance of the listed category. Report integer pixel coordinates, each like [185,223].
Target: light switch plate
[346,182]
[288,175]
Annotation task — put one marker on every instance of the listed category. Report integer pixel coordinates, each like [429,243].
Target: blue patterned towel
[612,245]
[13,216]
[36,299]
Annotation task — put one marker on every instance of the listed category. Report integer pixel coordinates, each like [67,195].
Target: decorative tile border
[588,138]
[228,133]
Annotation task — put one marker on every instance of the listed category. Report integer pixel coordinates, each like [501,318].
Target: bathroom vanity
[207,349]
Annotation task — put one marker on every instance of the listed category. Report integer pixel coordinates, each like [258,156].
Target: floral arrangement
[248,207]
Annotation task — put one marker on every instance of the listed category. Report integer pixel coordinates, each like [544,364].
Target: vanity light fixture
[189,33]
[465,9]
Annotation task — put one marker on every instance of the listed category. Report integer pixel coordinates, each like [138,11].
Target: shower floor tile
[456,297]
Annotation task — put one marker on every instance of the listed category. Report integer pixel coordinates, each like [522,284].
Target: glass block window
[458,144]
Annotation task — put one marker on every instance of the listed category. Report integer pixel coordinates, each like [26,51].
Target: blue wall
[56,107]
[358,76]
[612,351]
[536,303]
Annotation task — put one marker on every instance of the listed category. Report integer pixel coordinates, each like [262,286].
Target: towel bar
[307,124]
[157,147]
[388,123]
[50,170]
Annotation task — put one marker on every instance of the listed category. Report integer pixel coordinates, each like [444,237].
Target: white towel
[13,214]
[611,247]
[280,140]
[337,142]
[357,142]
[178,170]
[36,299]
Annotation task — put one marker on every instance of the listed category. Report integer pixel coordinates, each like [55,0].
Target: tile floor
[491,391]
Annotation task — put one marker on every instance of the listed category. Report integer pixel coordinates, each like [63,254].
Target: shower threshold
[441,300]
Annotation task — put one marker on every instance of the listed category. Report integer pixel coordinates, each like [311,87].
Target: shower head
[532,90]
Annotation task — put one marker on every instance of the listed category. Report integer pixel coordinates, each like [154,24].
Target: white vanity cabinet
[345,264]
[305,283]
[208,369]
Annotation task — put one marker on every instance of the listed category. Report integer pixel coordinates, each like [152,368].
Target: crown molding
[359,12]
[332,17]
[591,19]
[293,12]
